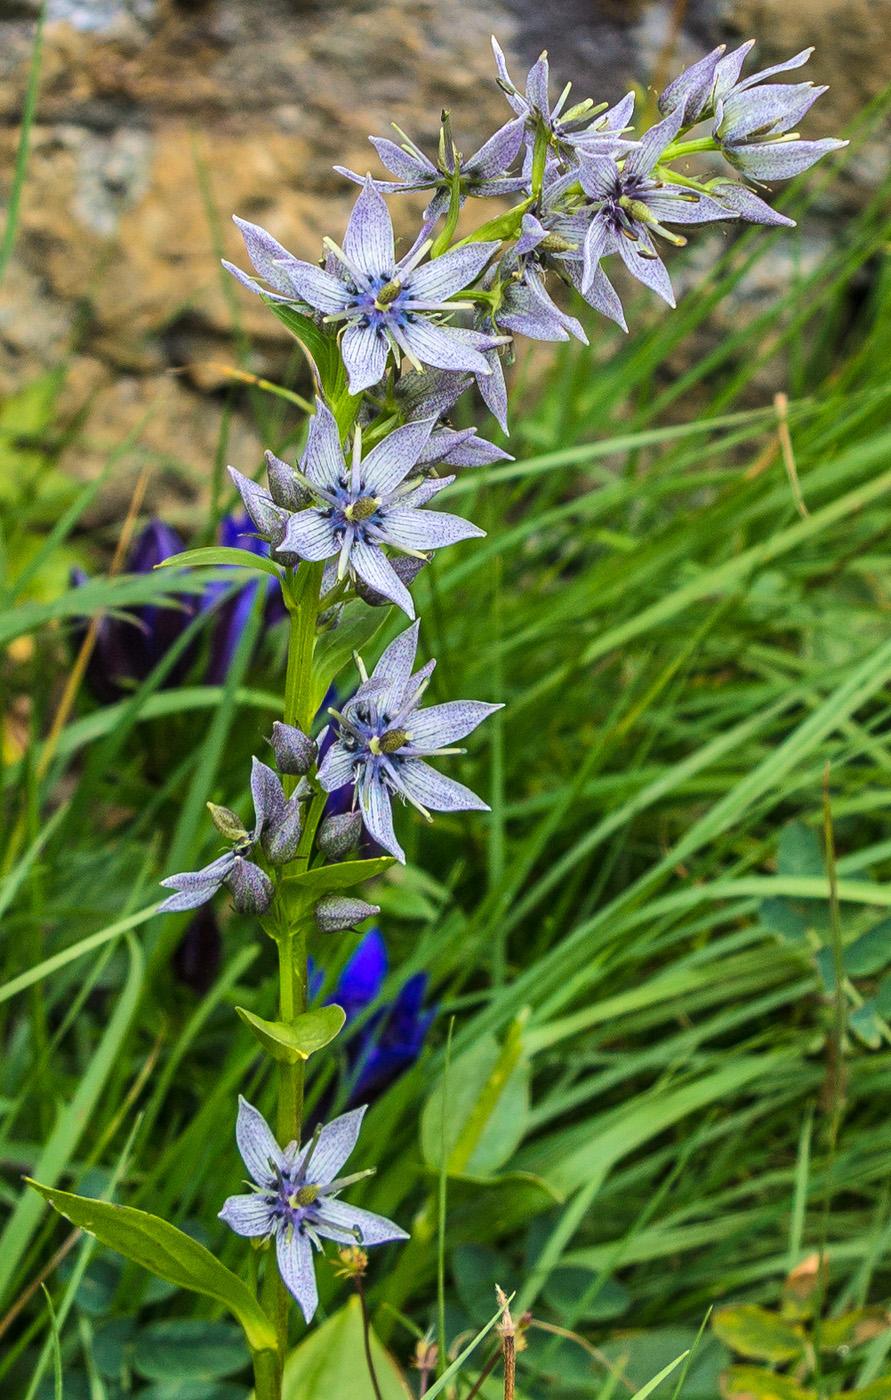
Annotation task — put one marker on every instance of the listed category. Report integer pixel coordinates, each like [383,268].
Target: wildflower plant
[393,343]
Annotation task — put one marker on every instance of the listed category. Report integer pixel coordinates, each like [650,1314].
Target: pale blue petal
[272,261]
[310,535]
[295,1264]
[368,241]
[321,289]
[323,461]
[499,152]
[780,160]
[248,1216]
[372,566]
[748,204]
[435,791]
[342,1218]
[434,345]
[374,804]
[445,276]
[649,270]
[414,529]
[336,1142]
[387,464]
[653,142]
[410,168]
[439,725]
[336,768]
[395,666]
[364,351]
[256,1144]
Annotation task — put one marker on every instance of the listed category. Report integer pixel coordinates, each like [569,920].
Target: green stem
[301,592]
[689,148]
[267,1375]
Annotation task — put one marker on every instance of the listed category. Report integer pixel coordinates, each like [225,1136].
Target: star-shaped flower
[754,120]
[383,740]
[386,306]
[294,1198]
[583,127]
[369,504]
[480,175]
[632,203]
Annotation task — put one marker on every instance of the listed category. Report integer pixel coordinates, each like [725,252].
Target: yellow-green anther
[305,1196]
[388,294]
[363,508]
[554,243]
[393,740]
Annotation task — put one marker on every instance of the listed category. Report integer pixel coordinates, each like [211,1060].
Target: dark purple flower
[129,648]
[391,1040]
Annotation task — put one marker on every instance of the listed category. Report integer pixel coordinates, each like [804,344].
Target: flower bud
[295,753]
[281,841]
[268,519]
[284,484]
[338,912]
[251,888]
[406,568]
[338,835]
[227,822]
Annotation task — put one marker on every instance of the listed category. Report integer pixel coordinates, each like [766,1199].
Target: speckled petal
[249,1216]
[256,1143]
[336,1142]
[365,352]
[340,1218]
[445,724]
[295,1264]
[368,241]
[373,568]
[435,790]
[391,461]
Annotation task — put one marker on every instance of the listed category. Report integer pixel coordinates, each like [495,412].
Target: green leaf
[854,1328]
[331,1363]
[866,1025]
[324,355]
[167,1252]
[659,1378]
[221,554]
[751,1383]
[502,226]
[325,879]
[290,1043]
[871,952]
[189,1349]
[334,648]
[876,1390]
[483,1117]
[755,1332]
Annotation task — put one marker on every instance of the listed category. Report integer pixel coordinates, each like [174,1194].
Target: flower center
[389,742]
[305,1196]
[363,508]
[388,294]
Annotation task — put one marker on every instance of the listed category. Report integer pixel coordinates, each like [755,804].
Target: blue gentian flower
[480,175]
[128,648]
[359,508]
[383,740]
[386,306]
[392,1038]
[294,1198]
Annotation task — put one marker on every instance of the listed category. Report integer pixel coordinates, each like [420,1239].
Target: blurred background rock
[157,120]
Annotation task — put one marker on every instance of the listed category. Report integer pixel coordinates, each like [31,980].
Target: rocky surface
[156,121]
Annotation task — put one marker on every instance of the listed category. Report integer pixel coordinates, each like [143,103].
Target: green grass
[638,923]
